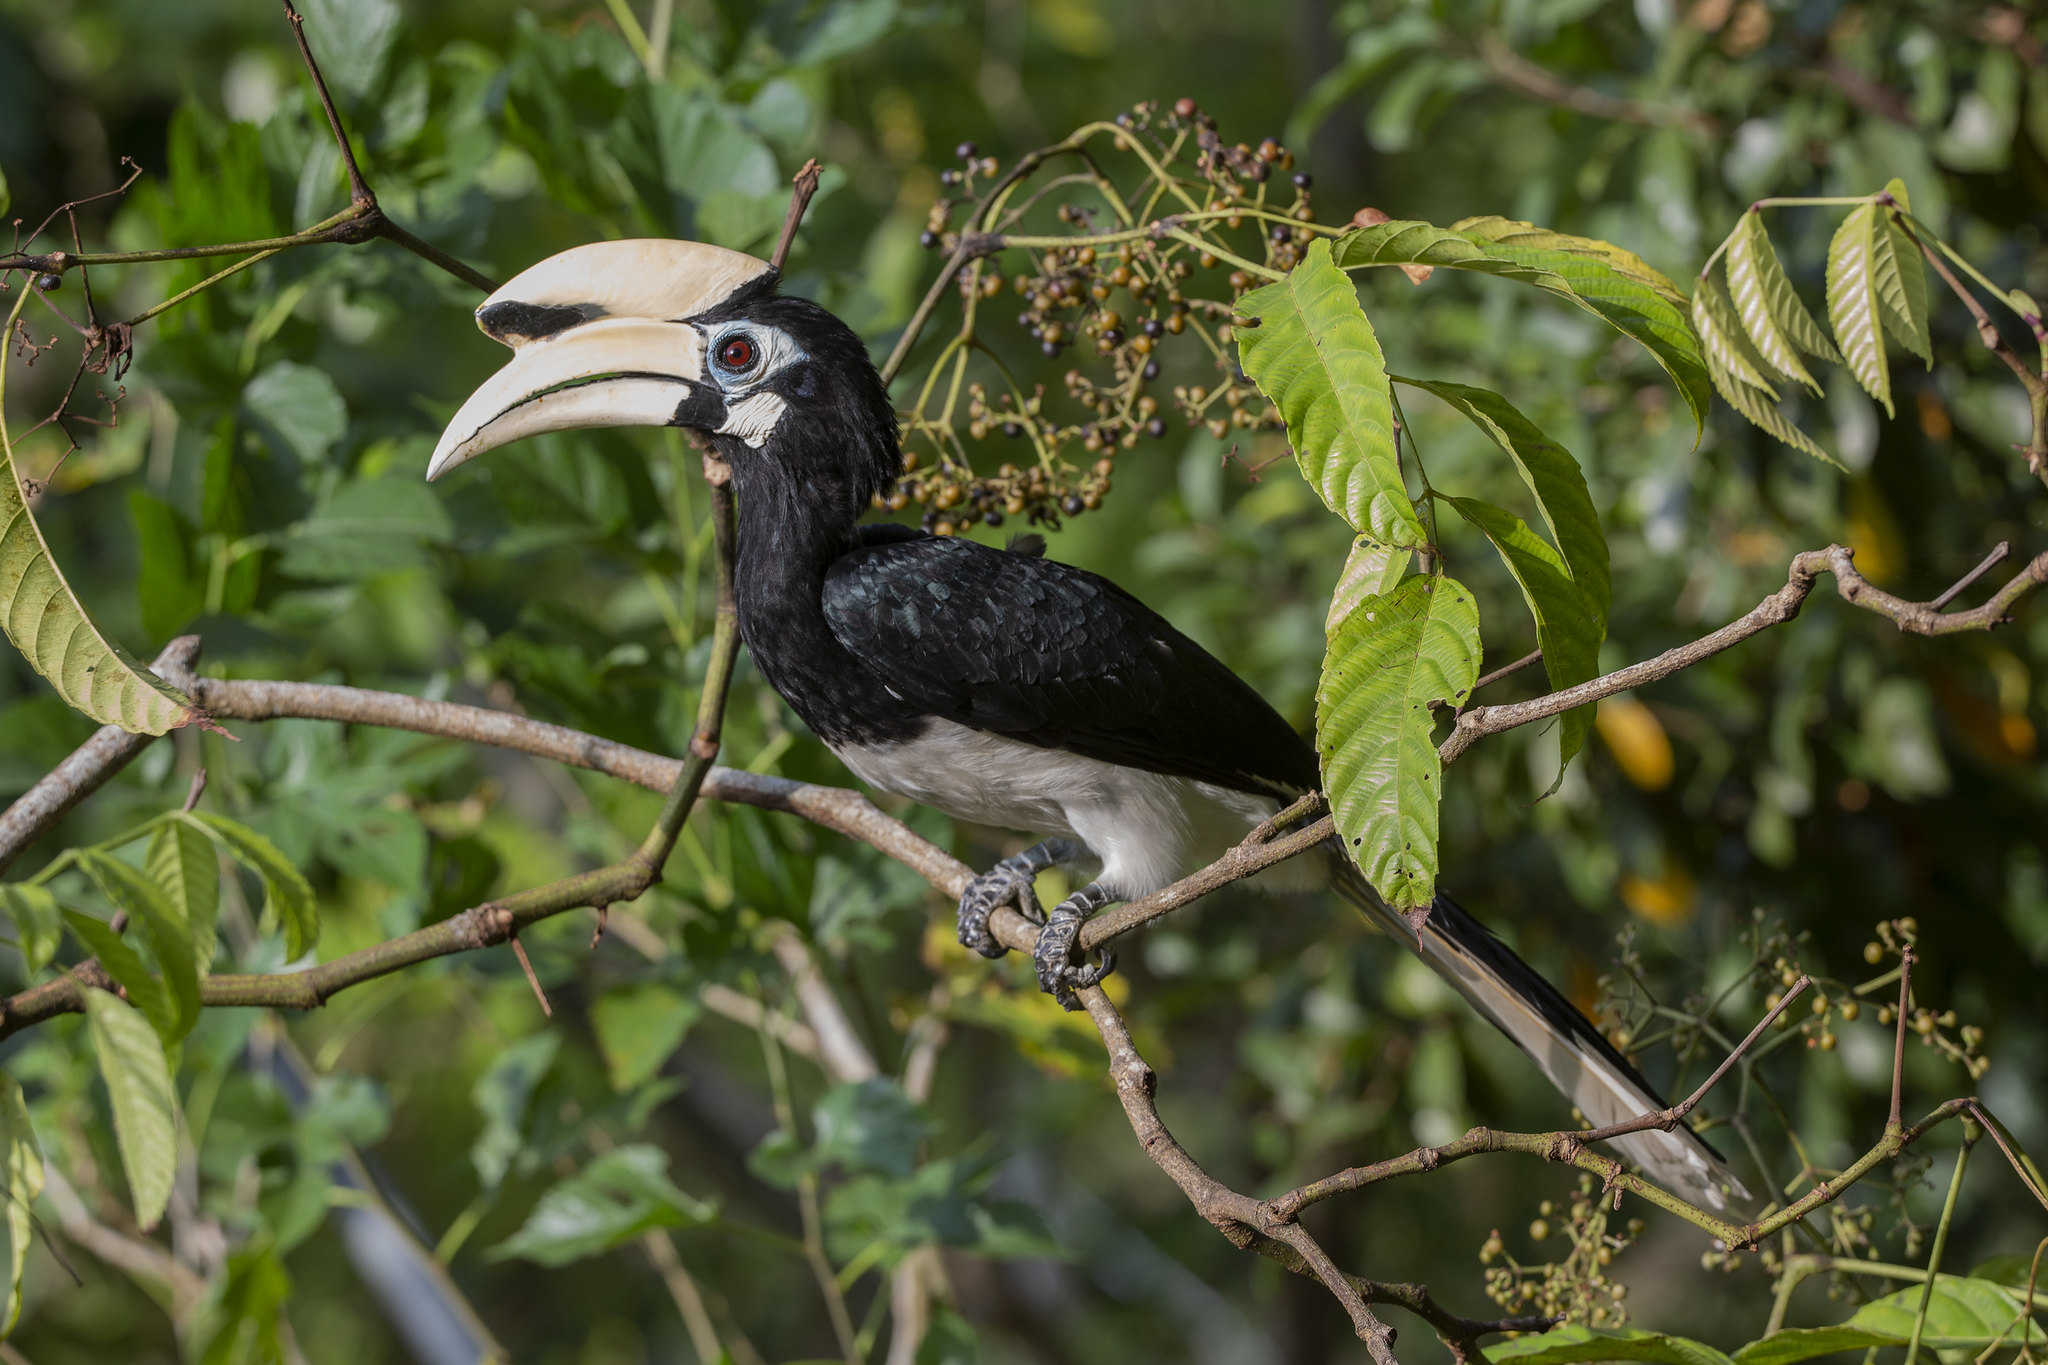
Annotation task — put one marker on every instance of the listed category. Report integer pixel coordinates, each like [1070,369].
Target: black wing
[1056,656]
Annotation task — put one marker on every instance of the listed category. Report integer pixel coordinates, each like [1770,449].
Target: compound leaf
[1388,660]
[1852,301]
[1315,356]
[138,1079]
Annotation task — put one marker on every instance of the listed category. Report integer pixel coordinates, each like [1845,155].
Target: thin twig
[801,189]
[1914,618]
[1668,1119]
[533,980]
[1899,1048]
[1984,566]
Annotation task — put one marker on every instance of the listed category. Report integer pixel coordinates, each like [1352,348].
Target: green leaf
[300,406]
[1568,630]
[353,38]
[611,1201]
[1962,1313]
[504,1095]
[369,527]
[162,922]
[1804,1343]
[6,195]
[165,587]
[138,1079]
[1771,312]
[240,1322]
[47,623]
[1723,342]
[22,1158]
[1613,284]
[1901,280]
[1315,356]
[638,1028]
[1389,659]
[1370,570]
[1852,302]
[1553,475]
[145,989]
[38,923]
[1572,1345]
[869,1125]
[184,863]
[285,888]
[1733,367]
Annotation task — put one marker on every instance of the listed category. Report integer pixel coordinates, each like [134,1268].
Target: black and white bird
[1001,687]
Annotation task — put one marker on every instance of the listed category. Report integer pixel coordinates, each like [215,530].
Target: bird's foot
[1003,884]
[1058,976]
[1007,883]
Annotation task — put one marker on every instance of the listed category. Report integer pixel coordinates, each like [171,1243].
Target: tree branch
[87,767]
[1914,618]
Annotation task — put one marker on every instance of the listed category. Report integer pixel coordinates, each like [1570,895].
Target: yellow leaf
[1637,740]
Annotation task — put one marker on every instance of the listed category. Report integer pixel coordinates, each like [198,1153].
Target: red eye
[737,354]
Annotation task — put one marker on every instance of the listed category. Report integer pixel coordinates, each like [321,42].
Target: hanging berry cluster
[1579,1286]
[1136,284]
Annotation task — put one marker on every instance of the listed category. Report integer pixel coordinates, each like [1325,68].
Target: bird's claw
[1000,885]
[1058,976]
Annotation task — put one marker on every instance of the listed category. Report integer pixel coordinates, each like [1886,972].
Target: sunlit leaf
[285,888]
[1573,1345]
[185,865]
[1315,356]
[1962,1313]
[21,1156]
[1722,340]
[1370,570]
[1852,301]
[1612,283]
[162,922]
[611,1201]
[1553,475]
[45,621]
[138,1079]
[1734,368]
[1567,629]
[145,989]
[38,923]
[1771,312]
[1386,663]
[1901,280]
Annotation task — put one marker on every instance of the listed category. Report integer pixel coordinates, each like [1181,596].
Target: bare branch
[1914,618]
[1668,1119]
[801,189]
[86,769]
[840,1050]
[1511,70]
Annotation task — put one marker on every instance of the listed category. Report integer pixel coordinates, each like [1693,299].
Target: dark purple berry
[927,239]
[992,517]
[1302,180]
[1072,505]
[1156,428]
[1011,429]
[967,151]
[1153,327]
[1151,370]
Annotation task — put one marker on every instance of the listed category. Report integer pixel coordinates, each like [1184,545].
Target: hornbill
[1001,687]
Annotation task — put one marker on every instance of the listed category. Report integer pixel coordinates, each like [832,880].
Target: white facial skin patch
[752,419]
[750,413]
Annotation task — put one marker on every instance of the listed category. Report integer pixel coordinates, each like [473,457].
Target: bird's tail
[1562,1042]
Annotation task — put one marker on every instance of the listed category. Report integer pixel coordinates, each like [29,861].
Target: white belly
[1148,830]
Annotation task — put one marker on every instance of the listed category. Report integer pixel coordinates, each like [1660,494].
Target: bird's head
[666,333]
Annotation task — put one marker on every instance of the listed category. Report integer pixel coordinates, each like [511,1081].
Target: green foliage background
[263,490]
